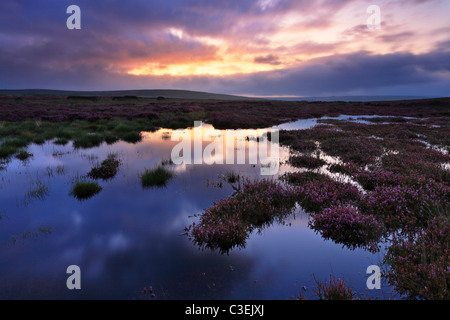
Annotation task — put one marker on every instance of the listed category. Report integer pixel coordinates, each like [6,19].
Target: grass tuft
[38,190]
[86,141]
[231,177]
[157,177]
[84,189]
[23,155]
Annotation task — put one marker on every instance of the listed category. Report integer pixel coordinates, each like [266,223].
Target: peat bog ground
[378,184]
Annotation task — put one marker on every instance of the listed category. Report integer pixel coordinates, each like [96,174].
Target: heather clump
[316,195]
[220,227]
[300,178]
[404,206]
[369,179]
[107,169]
[263,201]
[423,161]
[336,289]
[306,161]
[315,191]
[358,150]
[228,223]
[349,168]
[420,264]
[298,141]
[346,225]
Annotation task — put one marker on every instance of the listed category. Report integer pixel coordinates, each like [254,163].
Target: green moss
[39,139]
[18,142]
[61,141]
[7,151]
[122,128]
[131,137]
[84,134]
[86,141]
[111,138]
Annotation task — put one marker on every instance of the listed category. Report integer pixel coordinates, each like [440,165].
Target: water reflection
[303,124]
[126,238]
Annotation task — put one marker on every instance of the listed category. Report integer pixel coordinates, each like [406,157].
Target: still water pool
[126,238]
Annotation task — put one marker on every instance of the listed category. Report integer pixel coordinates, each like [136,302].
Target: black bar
[239,309]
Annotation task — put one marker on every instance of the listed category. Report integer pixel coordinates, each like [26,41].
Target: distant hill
[178,94]
[358,98]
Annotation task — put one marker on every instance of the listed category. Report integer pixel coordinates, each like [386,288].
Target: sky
[264,48]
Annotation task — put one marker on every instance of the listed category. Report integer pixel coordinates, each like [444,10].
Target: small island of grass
[157,177]
[85,189]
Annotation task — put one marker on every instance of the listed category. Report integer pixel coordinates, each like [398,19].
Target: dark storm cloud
[360,71]
[396,37]
[269,59]
[357,72]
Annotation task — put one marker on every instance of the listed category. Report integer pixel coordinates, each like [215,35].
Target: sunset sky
[248,47]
